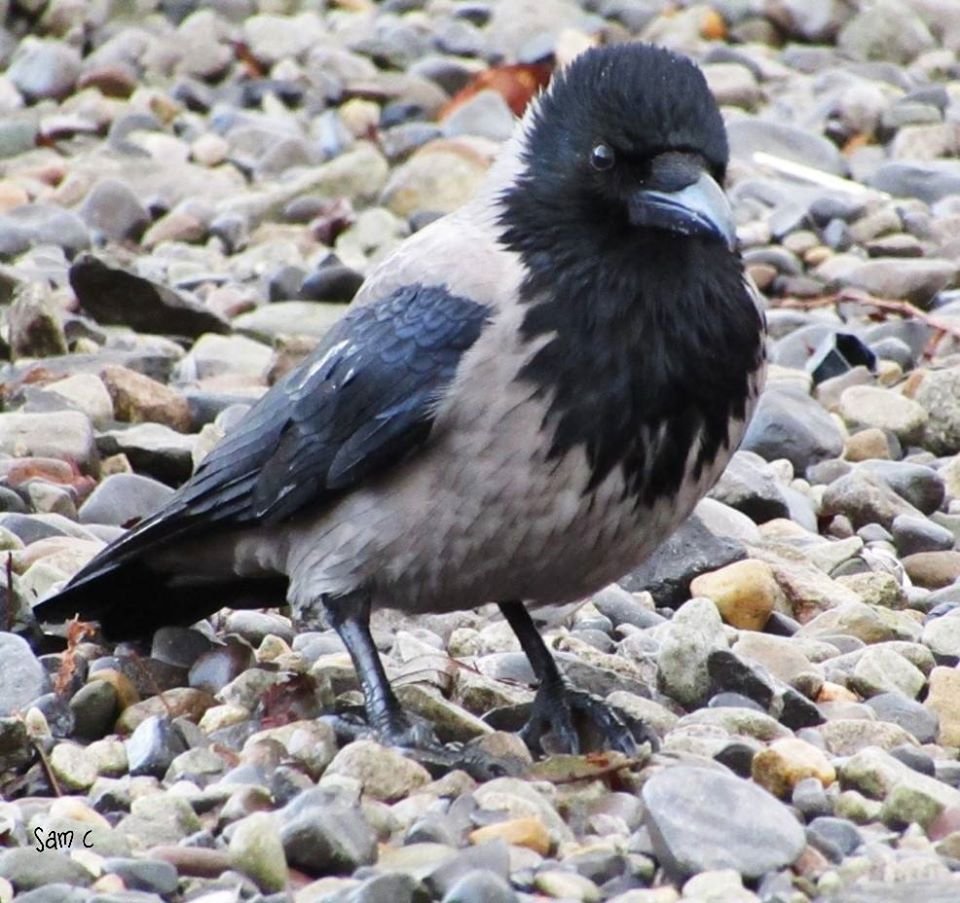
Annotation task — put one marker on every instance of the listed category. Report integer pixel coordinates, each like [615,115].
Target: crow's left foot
[561,715]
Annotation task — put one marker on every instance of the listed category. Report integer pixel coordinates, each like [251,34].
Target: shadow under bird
[526,398]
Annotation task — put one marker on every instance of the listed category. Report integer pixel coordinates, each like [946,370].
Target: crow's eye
[602,157]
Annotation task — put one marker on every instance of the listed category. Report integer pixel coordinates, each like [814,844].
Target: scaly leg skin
[350,617]
[557,706]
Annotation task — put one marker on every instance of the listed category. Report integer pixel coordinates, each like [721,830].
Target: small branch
[47,770]
[904,309]
[10,599]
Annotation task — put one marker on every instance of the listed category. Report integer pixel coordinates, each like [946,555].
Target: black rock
[738,757]
[391,887]
[918,534]
[337,283]
[836,354]
[732,676]
[153,745]
[115,297]
[797,711]
[692,550]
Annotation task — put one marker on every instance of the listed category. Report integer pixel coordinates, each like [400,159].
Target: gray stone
[150,875]
[750,134]
[917,281]
[748,485]
[928,180]
[27,868]
[253,626]
[790,424]
[256,851]
[888,30]
[334,838]
[700,819]
[864,499]
[486,115]
[939,394]
[918,534]
[918,484]
[35,323]
[695,631]
[44,70]
[41,224]
[24,678]
[942,636]
[95,709]
[311,318]
[113,209]
[124,498]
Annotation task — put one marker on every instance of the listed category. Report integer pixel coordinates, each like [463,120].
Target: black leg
[350,617]
[558,706]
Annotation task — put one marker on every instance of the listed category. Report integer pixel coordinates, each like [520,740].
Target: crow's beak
[701,209]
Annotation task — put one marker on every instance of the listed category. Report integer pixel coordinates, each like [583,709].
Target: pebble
[382,773]
[24,678]
[255,850]
[781,766]
[745,593]
[690,813]
[801,622]
[694,632]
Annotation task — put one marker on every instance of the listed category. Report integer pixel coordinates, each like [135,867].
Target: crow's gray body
[523,401]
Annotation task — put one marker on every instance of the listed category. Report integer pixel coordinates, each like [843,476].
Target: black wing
[361,402]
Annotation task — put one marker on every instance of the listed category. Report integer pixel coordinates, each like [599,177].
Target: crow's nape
[131,601]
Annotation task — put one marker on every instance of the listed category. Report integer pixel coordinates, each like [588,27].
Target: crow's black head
[626,136]
[649,333]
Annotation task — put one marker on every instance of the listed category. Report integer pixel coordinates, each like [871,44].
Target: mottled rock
[383,773]
[256,851]
[694,632]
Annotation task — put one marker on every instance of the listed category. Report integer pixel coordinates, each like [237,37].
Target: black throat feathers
[653,342]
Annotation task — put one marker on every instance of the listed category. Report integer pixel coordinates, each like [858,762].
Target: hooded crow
[523,402]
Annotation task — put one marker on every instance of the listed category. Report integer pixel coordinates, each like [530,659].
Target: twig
[815,176]
[10,600]
[905,309]
[47,770]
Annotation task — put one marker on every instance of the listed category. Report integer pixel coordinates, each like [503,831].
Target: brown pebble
[933,570]
[194,861]
[866,445]
[522,832]
[139,399]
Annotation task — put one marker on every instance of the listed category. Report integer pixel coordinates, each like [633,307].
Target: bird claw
[560,714]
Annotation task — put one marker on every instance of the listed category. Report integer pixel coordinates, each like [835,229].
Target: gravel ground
[189,194]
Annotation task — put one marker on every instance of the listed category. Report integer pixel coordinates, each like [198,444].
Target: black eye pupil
[602,157]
